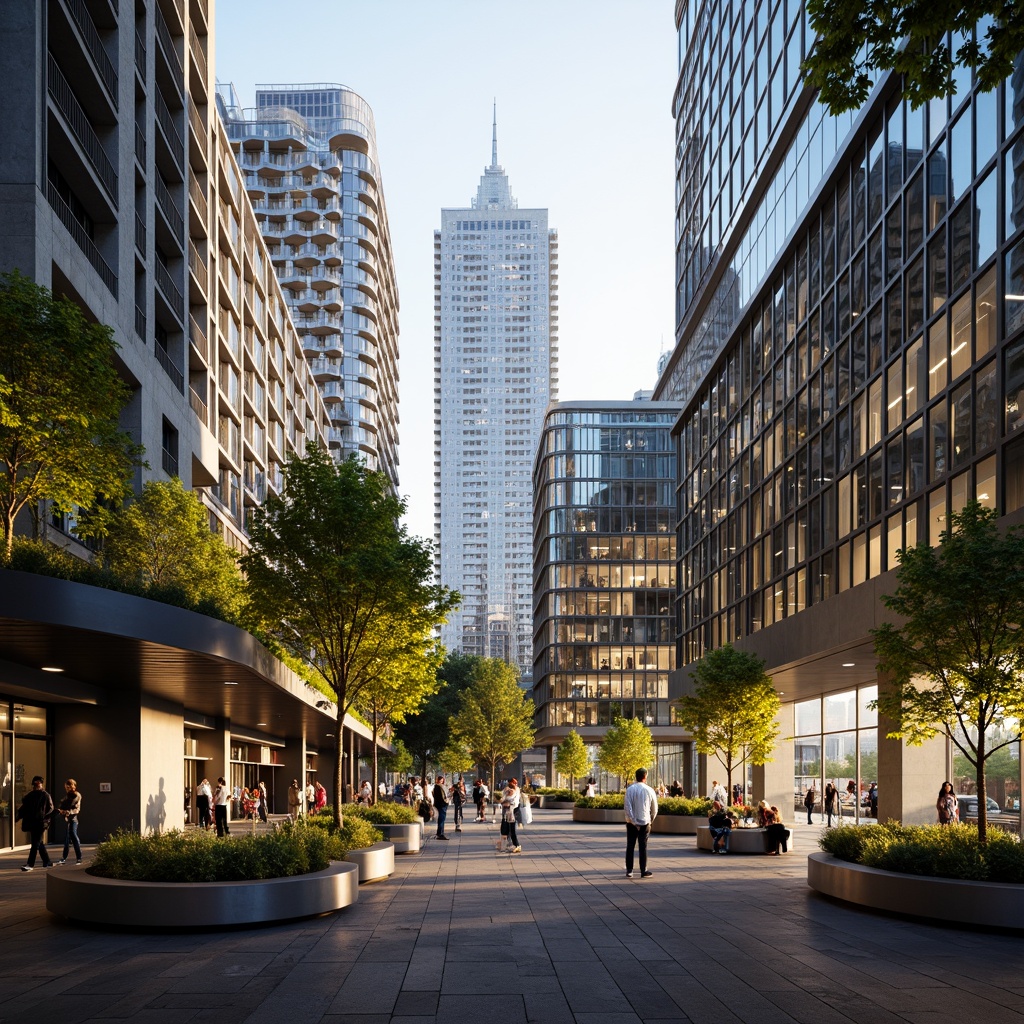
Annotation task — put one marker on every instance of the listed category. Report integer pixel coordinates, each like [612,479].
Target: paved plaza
[556,935]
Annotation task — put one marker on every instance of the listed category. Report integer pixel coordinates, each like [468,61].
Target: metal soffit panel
[107,642]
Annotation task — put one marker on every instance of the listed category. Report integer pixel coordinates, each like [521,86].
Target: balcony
[78,122]
[140,323]
[169,462]
[198,197]
[164,359]
[140,56]
[172,293]
[169,209]
[171,135]
[195,120]
[199,407]
[140,236]
[319,323]
[196,49]
[81,237]
[198,267]
[94,47]
[198,338]
[140,147]
[163,37]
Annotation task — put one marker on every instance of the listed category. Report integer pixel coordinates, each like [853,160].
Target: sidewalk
[556,935]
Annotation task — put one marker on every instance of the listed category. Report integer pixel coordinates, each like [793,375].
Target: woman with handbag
[510,800]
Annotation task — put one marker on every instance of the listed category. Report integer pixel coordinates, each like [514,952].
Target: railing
[79,123]
[140,234]
[169,208]
[197,51]
[169,462]
[199,407]
[171,291]
[81,236]
[95,47]
[195,190]
[140,145]
[140,323]
[173,61]
[140,54]
[196,121]
[204,7]
[166,122]
[198,267]
[164,359]
[198,338]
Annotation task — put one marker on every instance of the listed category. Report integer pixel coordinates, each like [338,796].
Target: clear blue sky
[584,94]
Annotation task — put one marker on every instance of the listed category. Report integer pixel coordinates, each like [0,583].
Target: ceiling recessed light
[261,723]
[329,734]
[52,668]
[849,664]
[230,682]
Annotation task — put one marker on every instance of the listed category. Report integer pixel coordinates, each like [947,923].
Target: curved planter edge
[84,897]
[992,904]
[599,815]
[548,804]
[678,824]
[406,838]
[375,862]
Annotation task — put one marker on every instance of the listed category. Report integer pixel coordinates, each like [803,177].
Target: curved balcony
[317,299]
[324,370]
[333,392]
[322,347]
[319,323]
[311,251]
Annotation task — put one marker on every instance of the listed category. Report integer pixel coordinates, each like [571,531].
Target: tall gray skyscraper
[495,370]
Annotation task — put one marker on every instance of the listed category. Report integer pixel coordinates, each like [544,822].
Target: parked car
[969,805]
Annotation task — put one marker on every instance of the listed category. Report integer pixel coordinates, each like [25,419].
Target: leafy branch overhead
[860,40]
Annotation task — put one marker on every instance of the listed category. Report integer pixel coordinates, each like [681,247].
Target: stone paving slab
[556,935]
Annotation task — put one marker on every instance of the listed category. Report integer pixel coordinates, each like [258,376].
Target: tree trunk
[982,794]
[373,772]
[339,751]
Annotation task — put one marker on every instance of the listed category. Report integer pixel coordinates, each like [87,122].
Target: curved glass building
[849,356]
[309,153]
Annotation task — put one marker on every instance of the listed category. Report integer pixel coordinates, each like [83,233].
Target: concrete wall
[161,765]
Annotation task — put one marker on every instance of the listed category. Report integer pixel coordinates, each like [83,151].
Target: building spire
[494,136]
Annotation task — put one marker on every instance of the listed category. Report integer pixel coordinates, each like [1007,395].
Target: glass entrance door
[6,790]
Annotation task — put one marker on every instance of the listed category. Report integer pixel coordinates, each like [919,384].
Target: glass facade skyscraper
[848,356]
[495,370]
[309,153]
[604,514]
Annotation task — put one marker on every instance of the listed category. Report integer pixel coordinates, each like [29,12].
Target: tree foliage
[427,732]
[572,758]
[335,578]
[860,40]
[163,539]
[956,660]
[399,761]
[495,718]
[732,711]
[455,759]
[60,398]
[626,746]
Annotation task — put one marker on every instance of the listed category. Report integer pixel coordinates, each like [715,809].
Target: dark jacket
[440,796]
[72,804]
[720,820]
[35,811]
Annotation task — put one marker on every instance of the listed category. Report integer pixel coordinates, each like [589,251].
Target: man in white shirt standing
[641,807]
[718,793]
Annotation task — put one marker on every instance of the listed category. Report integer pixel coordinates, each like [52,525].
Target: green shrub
[356,833]
[608,802]
[696,807]
[937,851]
[558,794]
[381,813]
[198,856]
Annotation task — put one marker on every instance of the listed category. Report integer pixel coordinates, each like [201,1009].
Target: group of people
[832,801]
[35,813]
[768,816]
[315,796]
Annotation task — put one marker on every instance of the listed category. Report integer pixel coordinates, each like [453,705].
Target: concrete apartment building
[120,191]
[848,359]
[495,371]
[309,155]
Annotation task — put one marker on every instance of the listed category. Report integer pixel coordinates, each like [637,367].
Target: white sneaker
[25,867]
[63,860]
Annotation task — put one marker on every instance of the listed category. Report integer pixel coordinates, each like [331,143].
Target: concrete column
[294,768]
[703,780]
[908,777]
[688,781]
[773,781]
[161,765]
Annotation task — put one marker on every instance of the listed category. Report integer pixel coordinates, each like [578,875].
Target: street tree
[732,711]
[454,759]
[495,718]
[401,686]
[427,732]
[163,539]
[336,580]
[860,40]
[626,746]
[60,398]
[572,758]
[955,655]
[399,760]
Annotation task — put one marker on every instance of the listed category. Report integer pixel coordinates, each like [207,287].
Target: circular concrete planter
[404,838]
[84,897]
[994,904]
[599,815]
[742,840]
[374,862]
[678,824]
[557,805]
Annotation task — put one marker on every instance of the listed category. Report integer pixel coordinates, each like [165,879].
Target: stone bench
[742,840]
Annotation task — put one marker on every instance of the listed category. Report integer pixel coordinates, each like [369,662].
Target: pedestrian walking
[319,797]
[264,810]
[718,793]
[873,800]
[478,798]
[35,813]
[441,801]
[947,805]
[458,801]
[69,809]
[641,808]
[204,801]
[809,800]
[221,796]
[510,798]
[294,800]
[831,795]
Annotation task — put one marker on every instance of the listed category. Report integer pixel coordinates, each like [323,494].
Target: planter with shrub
[192,879]
[549,798]
[600,810]
[399,824]
[936,871]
